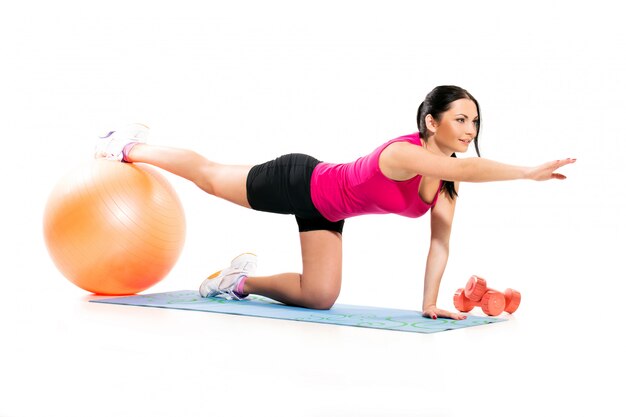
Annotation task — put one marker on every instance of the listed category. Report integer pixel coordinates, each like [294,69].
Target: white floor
[243,82]
[63,356]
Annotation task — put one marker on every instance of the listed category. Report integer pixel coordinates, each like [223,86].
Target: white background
[246,81]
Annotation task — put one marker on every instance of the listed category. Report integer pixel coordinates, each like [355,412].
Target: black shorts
[284,186]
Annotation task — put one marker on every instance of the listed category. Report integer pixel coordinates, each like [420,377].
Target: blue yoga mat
[340,314]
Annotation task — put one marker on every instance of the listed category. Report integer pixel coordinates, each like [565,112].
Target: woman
[409,175]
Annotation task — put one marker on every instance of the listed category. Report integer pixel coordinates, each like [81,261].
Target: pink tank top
[346,190]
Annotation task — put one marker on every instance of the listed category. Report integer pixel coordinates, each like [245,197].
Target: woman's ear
[431,123]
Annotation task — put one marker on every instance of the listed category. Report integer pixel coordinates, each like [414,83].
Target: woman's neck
[431,146]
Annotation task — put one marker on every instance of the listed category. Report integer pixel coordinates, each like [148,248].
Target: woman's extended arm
[417,160]
[440,226]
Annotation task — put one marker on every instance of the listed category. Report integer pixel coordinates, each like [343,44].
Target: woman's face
[457,127]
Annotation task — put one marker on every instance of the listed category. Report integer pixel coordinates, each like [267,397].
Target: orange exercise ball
[114,228]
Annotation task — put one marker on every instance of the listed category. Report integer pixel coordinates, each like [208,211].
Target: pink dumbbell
[476,288]
[492,302]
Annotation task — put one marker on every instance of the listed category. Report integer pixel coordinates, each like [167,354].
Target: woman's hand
[433,312]
[545,171]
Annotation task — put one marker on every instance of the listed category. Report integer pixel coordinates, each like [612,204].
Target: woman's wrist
[426,305]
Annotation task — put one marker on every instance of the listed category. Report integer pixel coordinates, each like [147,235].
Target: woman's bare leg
[224,181]
[320,282]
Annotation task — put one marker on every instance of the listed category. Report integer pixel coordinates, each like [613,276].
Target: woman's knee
[321,299]
[205,178]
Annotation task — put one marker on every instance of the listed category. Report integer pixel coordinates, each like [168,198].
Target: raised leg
[319,283]
[224,181]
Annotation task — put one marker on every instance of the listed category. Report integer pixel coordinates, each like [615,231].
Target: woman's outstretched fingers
[547,171]
[562,163]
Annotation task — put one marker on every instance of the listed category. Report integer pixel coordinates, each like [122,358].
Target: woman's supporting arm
[440,225]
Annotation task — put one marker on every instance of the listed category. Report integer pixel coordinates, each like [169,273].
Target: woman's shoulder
[401,143]
[413,138]
[394,159]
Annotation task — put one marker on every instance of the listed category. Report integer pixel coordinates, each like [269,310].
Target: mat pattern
[340,314]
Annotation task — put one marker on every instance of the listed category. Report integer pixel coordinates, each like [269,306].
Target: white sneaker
[225,282]
[111,146]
